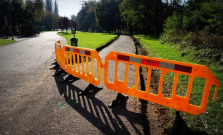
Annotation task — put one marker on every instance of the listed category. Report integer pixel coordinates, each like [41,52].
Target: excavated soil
[158,116]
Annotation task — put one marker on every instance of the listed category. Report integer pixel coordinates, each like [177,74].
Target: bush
[196,45]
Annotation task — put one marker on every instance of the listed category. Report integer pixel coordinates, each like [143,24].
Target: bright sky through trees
[69,7]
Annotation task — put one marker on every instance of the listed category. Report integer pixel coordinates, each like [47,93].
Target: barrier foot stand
[69,77]
[54,63]
[179,125]
[118,99]
[60,72]
[55,67]
[89,88]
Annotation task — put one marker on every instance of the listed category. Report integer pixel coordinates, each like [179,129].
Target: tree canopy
[21,17]
[27,17]
[133,16]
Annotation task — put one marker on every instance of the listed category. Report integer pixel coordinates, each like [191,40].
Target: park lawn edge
[6,41]
[91,40]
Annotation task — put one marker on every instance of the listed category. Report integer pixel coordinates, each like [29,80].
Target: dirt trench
[158,118]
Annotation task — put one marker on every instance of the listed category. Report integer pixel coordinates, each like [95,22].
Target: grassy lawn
[88,39]
[211,121]
[5,41]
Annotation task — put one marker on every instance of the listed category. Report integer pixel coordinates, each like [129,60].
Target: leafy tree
[73,17]
[38,10]
[60,23]
[108,15]
[50,18]
[198,15]
[199,25]
[143,16]
[47,23]
[65,23]
[86,17]
[49,5]
[73,23]
[55,8]
[24,17]
[11,10]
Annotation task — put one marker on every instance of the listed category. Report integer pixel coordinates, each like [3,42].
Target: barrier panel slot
[111,67]
[89,65]
[182,85]
[85,65]
[197,86]
[75,67]
[131,75]
[95,70]
[143,75]
[121,69]
[168,84]
[154,83]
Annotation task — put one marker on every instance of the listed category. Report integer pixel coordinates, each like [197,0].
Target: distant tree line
[50,17]
[27,17]
[150,16]
[196,24]
[133,16]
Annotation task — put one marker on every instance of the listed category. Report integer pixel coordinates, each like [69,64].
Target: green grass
[211,121]
[6,41]
[88,39]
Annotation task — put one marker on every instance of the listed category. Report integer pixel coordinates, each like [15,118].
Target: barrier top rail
[177,102]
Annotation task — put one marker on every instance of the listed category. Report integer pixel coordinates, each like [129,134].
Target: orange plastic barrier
[177,102]
[58,52]
[86,64]
[79,62]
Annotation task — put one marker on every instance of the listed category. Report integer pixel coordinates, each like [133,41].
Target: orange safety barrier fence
[80,62]
[180,103]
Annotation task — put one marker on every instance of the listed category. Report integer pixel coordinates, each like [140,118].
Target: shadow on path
[108,121]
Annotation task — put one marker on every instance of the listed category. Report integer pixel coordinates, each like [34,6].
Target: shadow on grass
[180,127]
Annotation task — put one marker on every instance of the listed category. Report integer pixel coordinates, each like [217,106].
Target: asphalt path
[34,102]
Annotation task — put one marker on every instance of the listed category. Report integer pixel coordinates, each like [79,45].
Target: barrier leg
[89,88]
[60,72]
[55,67]
[54,63]
[179,126]
[118,99]
[70,77]
[177,120]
